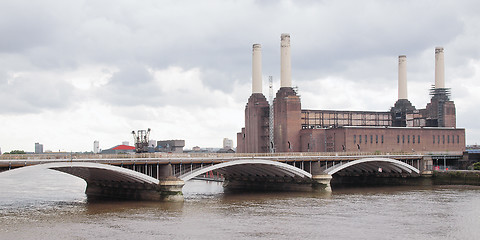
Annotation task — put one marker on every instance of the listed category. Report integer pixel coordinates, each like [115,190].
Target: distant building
[226,150]
[152,143]
[196,148]
[172,146]
[227,143]
[119,149]
[96,146]
[38,148]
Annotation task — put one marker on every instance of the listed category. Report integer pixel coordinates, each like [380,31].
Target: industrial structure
[141,140]
[170,146]
[401,129]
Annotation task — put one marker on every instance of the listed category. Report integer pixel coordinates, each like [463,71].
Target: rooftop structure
[119,149]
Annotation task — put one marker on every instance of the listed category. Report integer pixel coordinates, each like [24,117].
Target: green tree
[476,166]
[16,152]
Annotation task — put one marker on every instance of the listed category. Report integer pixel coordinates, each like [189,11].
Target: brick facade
[391,139]
[256,125]
[287,121]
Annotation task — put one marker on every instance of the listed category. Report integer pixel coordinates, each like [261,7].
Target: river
[37,203]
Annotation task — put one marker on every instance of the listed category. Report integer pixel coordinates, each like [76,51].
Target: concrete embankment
[457,177]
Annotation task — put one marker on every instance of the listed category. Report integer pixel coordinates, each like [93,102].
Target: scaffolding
[270,116]
[333,118]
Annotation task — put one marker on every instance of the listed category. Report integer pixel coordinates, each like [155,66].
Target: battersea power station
[285,127]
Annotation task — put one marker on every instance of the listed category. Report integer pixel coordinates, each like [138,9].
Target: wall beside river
[458,177]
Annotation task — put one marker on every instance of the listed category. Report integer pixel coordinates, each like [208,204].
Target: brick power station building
[402,129]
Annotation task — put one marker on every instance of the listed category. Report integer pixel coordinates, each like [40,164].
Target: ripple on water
[28,210]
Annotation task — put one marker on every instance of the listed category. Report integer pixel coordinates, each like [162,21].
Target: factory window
[433,139]
[371,139]
[438,139]
[382,139]
[413,139]
[418,138]
[453,138]
[443,138]
[448,138]
[458,139]
[398,138]
[376,138]
[403,138]
[360,138]
[408,138]
[354,139]
[366,139]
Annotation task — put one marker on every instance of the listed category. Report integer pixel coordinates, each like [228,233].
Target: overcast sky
[72,72]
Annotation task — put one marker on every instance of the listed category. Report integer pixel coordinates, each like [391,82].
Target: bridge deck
[39,159]
[159,155]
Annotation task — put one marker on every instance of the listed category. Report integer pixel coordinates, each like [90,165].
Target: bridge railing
[73,156]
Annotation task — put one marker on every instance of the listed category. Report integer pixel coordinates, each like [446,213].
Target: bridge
[158,176]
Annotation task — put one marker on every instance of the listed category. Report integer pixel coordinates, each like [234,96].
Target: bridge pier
[169,185]
[167,190]
[321,180]
[131,191]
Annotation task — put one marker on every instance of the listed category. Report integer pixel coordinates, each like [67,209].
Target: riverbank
[456,177]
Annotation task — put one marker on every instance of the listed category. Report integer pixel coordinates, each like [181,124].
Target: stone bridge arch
[107,181]
[374,165]
[251,167]
[97,172]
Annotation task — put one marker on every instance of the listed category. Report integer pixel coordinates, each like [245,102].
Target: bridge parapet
[158,155]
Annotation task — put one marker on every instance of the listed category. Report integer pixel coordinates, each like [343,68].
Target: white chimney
[402,77]
[257,69]
[285,63]
[439,68]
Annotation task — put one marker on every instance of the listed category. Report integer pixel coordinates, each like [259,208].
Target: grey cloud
[131,85]
[134,85]
[131,74]
[23,27]
[328,38]
[29,95]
